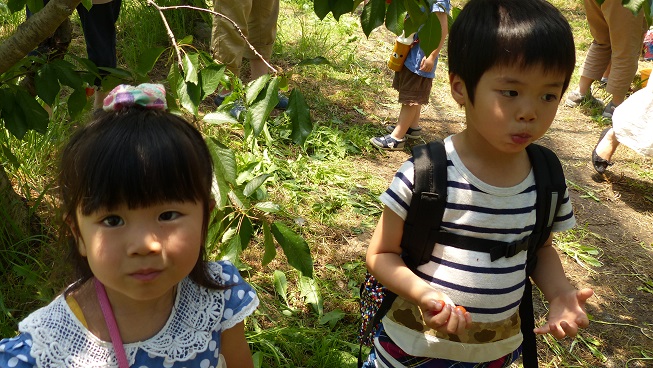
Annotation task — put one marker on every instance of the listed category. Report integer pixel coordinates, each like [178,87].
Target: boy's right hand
[445,317]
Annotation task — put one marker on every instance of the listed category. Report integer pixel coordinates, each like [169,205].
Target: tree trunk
[14,214]
[34,30]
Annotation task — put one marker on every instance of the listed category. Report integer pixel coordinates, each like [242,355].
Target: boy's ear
[458,90]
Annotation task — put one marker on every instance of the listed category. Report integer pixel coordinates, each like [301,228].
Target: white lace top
[53,337]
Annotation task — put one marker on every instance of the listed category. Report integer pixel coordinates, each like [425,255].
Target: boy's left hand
[566,314]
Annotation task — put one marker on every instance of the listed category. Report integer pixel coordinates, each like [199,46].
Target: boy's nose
[527,112]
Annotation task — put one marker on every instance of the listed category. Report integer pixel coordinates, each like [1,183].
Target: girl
[135,185]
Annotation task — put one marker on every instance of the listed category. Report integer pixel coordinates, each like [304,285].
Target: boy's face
[512,106]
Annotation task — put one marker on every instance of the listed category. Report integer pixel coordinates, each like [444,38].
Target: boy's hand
[445,317]
[566,314]
[427,64]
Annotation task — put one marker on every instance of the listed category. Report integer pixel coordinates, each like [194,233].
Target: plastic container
[400,52]
[644,74]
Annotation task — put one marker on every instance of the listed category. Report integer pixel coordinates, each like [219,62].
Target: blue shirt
[416,53]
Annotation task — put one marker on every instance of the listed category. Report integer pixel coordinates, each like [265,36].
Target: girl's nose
[144,243]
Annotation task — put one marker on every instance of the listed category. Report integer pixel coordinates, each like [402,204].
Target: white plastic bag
[633,121]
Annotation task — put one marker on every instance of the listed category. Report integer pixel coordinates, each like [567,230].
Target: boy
[510,62]
[414,83]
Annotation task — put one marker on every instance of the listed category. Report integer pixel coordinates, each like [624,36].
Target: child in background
[414,83]
[135,185]
[510,62]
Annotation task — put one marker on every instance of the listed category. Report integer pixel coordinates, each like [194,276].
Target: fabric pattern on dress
[53,337]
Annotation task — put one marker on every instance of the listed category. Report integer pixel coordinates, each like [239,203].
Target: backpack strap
[550,187]
[427,205]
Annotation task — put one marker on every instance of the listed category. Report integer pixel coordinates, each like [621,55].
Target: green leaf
[332,317]
[188,40]
[340,7]
[254,88]
[190,65]
[281,285]
[224,161]
[267,207]
[245,232]
[13,117]
[221,184]
[268,244]
[16,5]
[430,34]
[67,74]
[35,116]
[211,77]
[372,16]
[255,184]
[294,247]
[87,4]
[311,294]
[147,59]
[394,17]
[34,5]
[219,117]
[260,109]
[13,160]
[231,250]
[76,102]
[257,358]
[320,60]
[417,15]
[300,117]
[321,8]
[238,199]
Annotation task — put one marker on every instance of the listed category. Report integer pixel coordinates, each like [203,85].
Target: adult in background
[257,19]
[99,27]
[618,35]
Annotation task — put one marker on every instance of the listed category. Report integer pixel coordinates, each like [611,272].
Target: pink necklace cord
[110,320]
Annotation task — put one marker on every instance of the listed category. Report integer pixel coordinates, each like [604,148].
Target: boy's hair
[524,33]
[135,157]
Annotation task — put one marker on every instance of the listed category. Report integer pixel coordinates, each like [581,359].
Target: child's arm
[566,303]
[234,347]
[427,63]
[384,262]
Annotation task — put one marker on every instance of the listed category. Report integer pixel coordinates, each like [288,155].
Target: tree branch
[37,28]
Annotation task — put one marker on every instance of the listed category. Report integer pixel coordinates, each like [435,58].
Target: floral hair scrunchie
[148,95]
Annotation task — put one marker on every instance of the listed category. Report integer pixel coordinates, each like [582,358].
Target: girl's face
[512,107]
[141,254]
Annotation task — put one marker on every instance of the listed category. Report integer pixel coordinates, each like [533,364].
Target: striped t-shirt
[490,291]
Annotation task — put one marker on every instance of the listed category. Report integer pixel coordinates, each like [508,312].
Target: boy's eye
[169,215]
[550,97]
[113,221]
[509,93]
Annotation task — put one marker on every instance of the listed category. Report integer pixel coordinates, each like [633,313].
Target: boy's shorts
[413,89]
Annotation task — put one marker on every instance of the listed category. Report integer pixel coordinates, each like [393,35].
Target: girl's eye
[550,97]
[113,221]
[509,93]
[169,216]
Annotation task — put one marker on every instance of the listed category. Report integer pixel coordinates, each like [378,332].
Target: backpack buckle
[509,250]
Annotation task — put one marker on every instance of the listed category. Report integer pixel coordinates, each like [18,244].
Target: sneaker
[609,110]
[603,82]
[218,100]
[575,99]
[237,109]
[411,133]
[388,143]
[283,102]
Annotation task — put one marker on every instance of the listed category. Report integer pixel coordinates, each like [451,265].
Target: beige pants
[257,19]
[618,36]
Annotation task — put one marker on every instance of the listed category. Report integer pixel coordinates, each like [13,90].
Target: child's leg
[408,118]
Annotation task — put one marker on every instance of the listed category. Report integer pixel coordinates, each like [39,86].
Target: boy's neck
[494,167]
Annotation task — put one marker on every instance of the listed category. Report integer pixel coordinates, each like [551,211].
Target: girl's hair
[526,33]
[136,157]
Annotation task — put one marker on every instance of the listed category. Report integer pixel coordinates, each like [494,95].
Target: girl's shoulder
[15,352]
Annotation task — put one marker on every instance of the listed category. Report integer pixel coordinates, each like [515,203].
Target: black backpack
[422,230]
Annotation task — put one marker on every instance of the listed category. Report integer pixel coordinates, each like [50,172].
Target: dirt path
[614,215]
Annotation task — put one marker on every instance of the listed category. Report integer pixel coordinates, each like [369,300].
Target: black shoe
[600,164]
